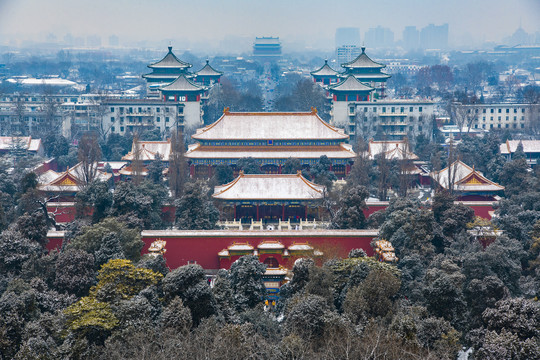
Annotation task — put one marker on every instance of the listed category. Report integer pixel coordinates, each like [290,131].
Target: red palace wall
[203,246]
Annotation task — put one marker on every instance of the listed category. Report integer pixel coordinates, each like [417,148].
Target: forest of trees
[97,297]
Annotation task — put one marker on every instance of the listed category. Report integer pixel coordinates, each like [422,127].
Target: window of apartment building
[351,109]
[499,126]
[112,109]
[522,126]
[476,126]
[112,128]
[515,110]
[121,109]
[158,109]
[140,110]
[121,120]
[393,109]
[420,119]
[507,126]
[365,109]
[130,110]
[384,109]
[515,118]
[112,118]
[500,110]
[419,109]
[468,111]
[491,118]
[158,119]
[491,126]
[483,126]
[121,129]
[402,110]
[515,126]
[180,110]
[411,109]
[410,128]
[523,111]
[483,118]
[492,110]
[166,109]
[484,111]
[507,118]
[167,119]
[374,109]
[507,111]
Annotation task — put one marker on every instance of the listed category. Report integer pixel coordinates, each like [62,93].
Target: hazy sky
[293,20]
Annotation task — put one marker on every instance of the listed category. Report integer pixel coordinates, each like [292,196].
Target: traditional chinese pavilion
[350,89]
[146,152]
[270,197]
[165,71]
[64,186]
[469,184]
[208,75]
[270,139]
[325,75]
[367,71]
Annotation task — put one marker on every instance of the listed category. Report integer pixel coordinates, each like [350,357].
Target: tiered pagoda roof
[170,61]
[269,187]
[465,178]
[363,61]
[182,84]
[273,136]
[325,70]
[350,84]
[208,70]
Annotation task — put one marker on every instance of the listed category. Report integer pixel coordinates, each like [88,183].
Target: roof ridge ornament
[226,110]
[313,110]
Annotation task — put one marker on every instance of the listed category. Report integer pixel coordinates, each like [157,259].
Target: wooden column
[192,170]
[305,207]
[234,212]
[282,208]
[279,169]
[257,218]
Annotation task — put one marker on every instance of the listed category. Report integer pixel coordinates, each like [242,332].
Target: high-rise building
[379,37]
[347,36]
[113,40]
[411,36]
[347,53]
[434,37]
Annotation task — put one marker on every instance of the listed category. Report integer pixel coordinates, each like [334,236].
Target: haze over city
[205,24]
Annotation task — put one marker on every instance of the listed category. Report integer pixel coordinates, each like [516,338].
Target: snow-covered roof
[182,83]
[393,149]
[270,126]
[269,187]
[465,178]
[196,151]
[20,142]
[260,233]
[350,84]
[170,61]
[67,181]
[363,61]
[148,150]
[529,146]
[270,245]
[325,70]
[208,70]
[300,247]
[240,247]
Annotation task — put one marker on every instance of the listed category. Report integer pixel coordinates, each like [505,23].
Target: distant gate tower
[267,48]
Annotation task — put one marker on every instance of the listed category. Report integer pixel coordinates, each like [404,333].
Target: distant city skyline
[219,24]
